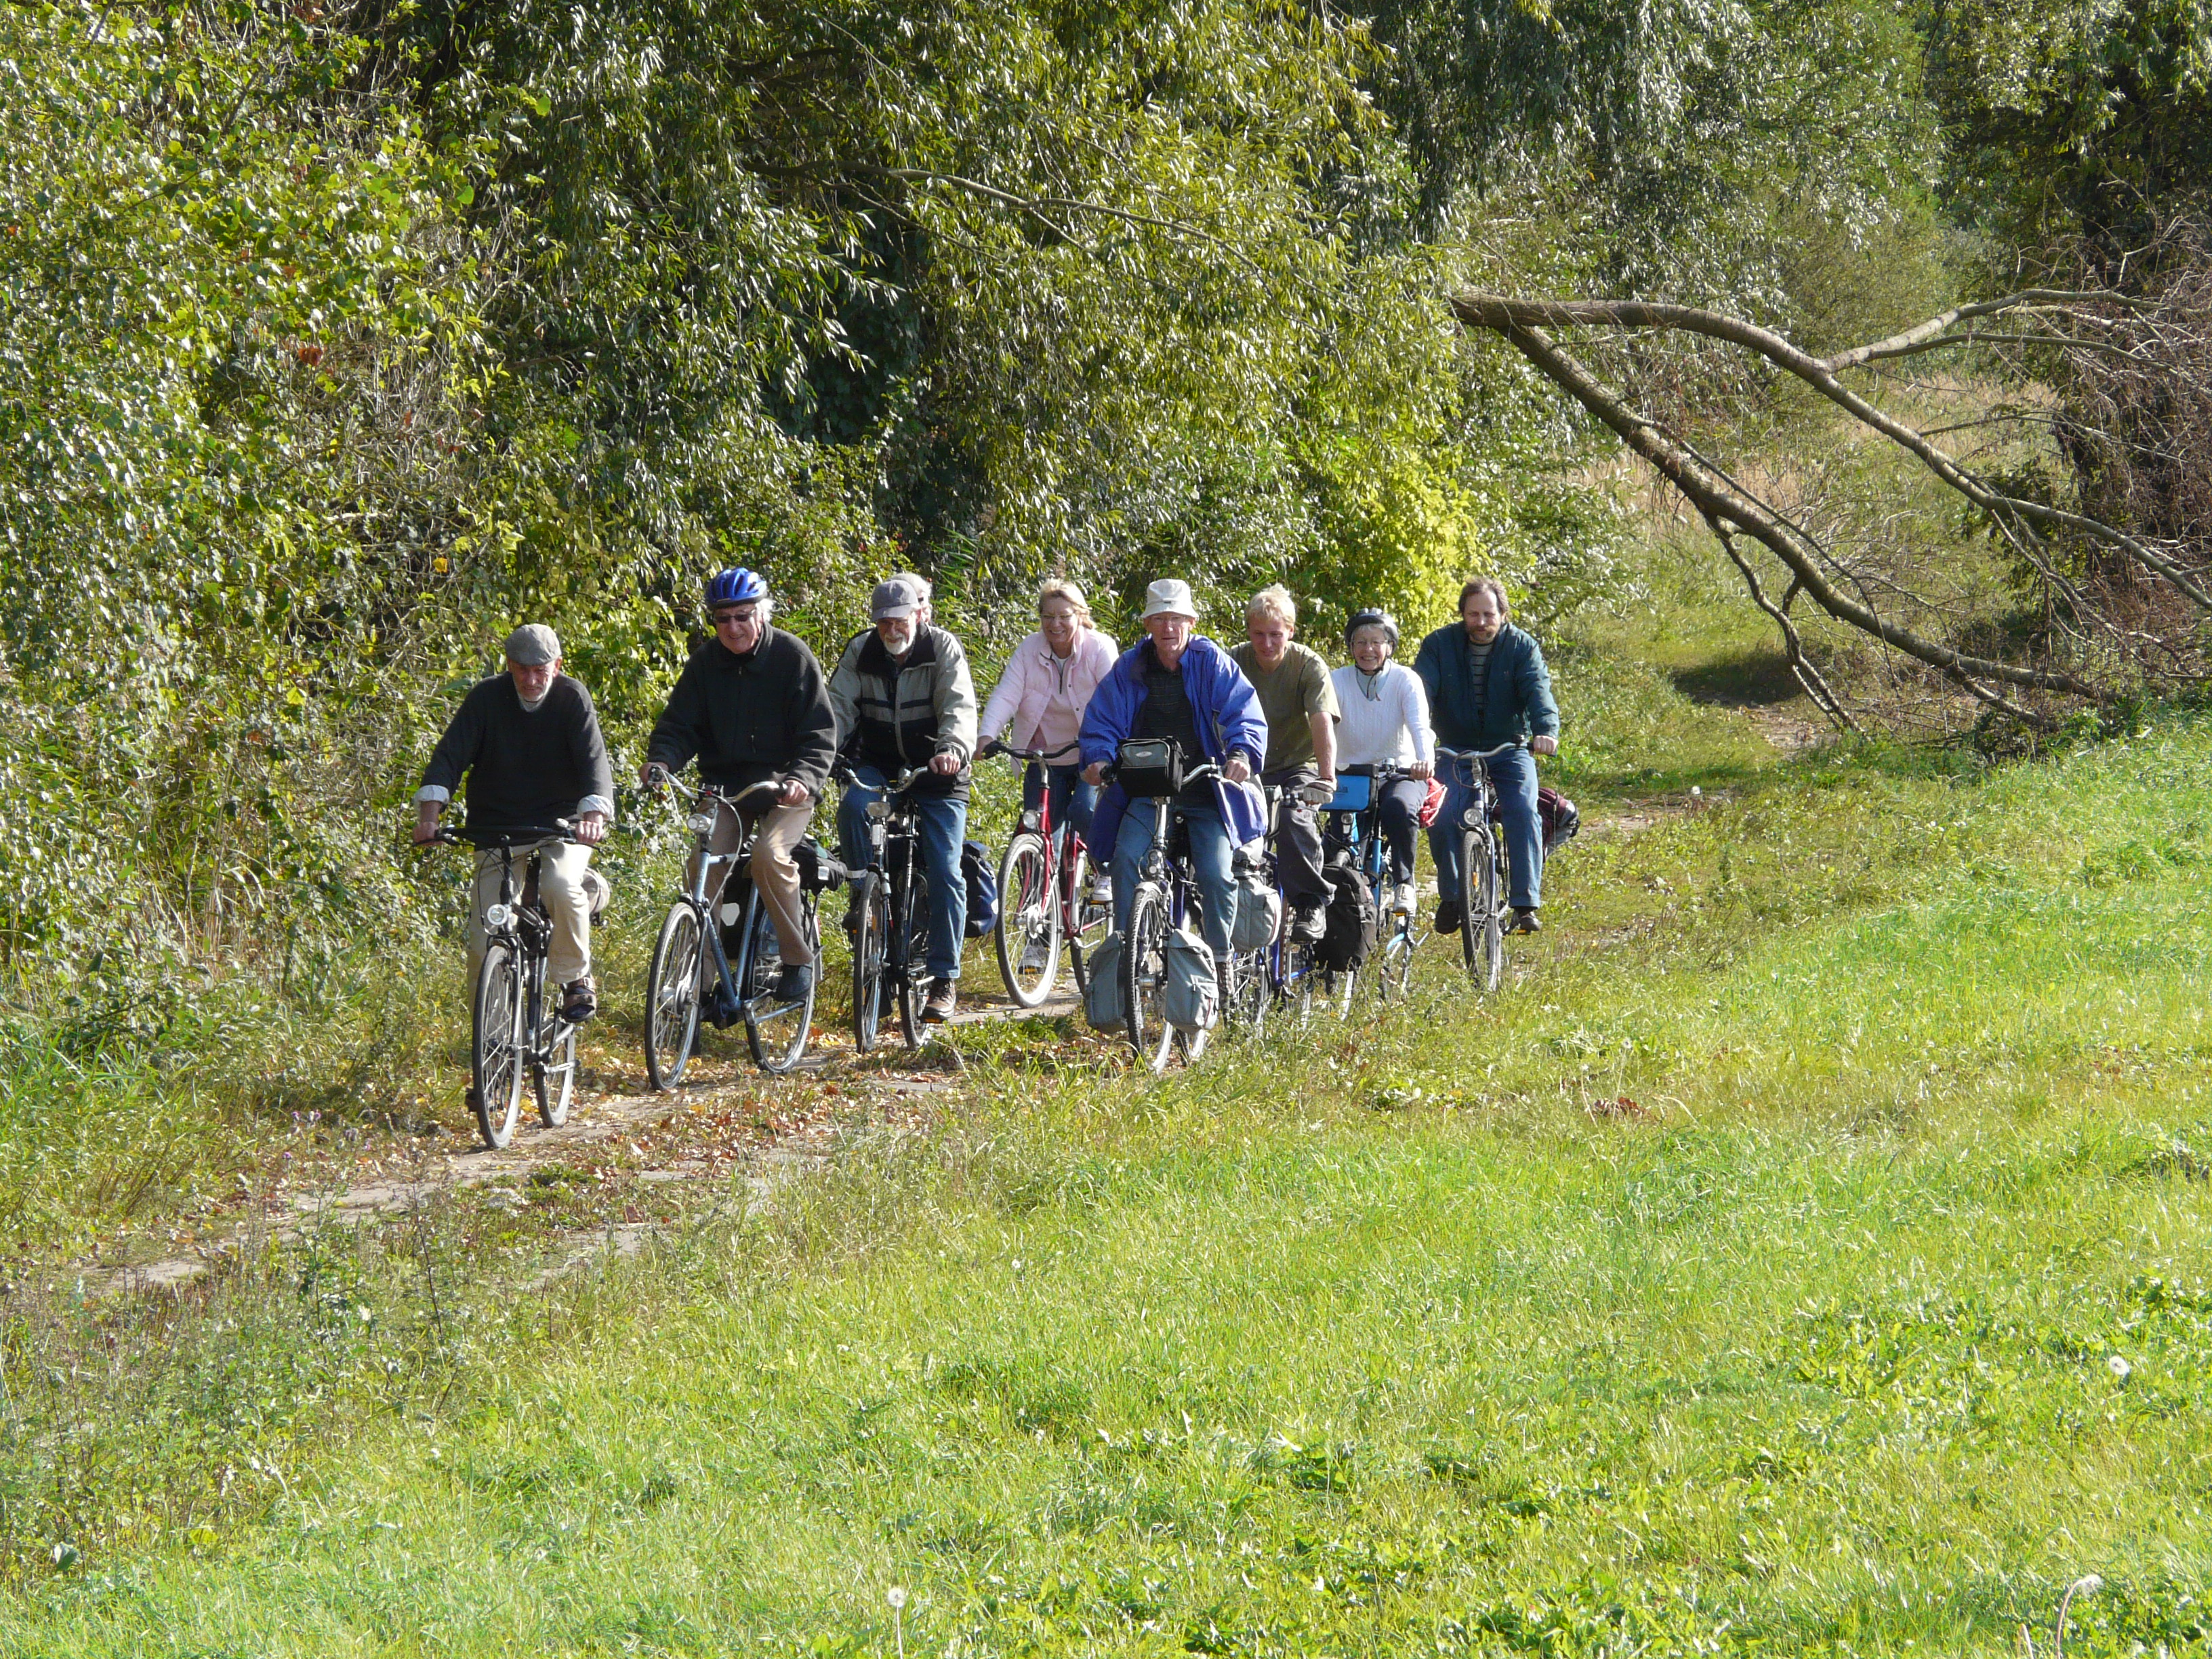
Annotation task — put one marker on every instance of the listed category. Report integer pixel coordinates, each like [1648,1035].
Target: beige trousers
[561,887]
[782,828]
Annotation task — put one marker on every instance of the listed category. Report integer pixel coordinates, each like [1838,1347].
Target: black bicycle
[1166,894]
[1484,867]
[889,915]
[515,1038]
[1295,972]
[693,974]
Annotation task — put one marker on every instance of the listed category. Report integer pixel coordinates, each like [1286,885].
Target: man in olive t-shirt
[1300,704]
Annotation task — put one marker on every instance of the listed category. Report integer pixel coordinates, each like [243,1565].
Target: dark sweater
[525,767]
[765,714]
[1168,713]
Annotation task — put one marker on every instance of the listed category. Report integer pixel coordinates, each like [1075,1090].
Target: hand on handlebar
[590,828]
[1543,746]
[1421,771]
[1095,774]
[652,776]
[792,793]
[1239,770]
[944,763]
[426,821]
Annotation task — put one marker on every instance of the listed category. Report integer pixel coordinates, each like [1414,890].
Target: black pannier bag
[1348,925]
[1149,767]
[818,871]
[982,884]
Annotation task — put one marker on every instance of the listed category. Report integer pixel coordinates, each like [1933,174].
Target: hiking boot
[794,984]
[1308,922]
[580,1000]
[937,1006]
[1525,921]
[1401,898]
[1449,913]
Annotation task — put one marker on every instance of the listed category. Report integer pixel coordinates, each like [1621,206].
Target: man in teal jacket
[1487,686]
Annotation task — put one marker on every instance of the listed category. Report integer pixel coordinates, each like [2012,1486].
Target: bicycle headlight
[498,915]
[879,810]
[702,824]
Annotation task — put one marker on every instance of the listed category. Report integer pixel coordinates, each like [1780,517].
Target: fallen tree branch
[1801,667]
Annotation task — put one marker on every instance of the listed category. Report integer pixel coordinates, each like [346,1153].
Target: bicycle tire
[1094,917]
[868,957]
[1394,977]
[1143,978]
[495,1050]
[1029,916]
[1249,993]
[1482,939]
[777,1036]
[912,943]
[554,1079]
[674,986]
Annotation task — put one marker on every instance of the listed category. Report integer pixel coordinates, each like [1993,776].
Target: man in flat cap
[905,701]
[529,741]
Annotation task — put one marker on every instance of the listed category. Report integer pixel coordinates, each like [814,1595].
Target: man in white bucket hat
[1178,684]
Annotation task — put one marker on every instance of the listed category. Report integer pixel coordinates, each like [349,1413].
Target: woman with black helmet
[1386,724]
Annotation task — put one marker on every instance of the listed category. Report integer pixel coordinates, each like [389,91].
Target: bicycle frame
[1063,843]
[703,822]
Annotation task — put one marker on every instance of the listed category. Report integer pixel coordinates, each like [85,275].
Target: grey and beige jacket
[895,716]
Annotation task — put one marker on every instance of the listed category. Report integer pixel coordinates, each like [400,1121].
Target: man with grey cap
[904,703]
[529,741]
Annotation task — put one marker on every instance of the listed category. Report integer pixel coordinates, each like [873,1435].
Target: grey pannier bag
[1258,910]
[1101,997]
[1191,997]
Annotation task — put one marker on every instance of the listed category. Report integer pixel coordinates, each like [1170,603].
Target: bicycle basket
[1355,792]
[1149,767]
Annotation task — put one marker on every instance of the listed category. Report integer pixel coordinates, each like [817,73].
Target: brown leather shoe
[937,1006]
[580,1000]
[1528,921]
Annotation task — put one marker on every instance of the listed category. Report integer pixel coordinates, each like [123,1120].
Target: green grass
[1807,1254]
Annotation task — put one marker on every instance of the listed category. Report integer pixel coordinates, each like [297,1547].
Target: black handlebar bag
[1146,767]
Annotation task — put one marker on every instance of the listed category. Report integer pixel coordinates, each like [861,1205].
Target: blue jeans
[1513,779]
[944,825]
[1210,852]
[1073,800]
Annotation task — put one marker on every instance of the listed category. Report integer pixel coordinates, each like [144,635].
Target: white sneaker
[1401,899]
[1102,891]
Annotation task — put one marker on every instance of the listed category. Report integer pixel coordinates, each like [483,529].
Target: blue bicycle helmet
[736,585]
[1382,619]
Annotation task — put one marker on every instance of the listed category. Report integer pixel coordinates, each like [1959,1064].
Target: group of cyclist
[753,705]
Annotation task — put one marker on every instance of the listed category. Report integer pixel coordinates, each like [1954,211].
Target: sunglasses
[746,616]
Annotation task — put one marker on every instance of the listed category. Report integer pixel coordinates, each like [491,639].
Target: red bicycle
[1048,892]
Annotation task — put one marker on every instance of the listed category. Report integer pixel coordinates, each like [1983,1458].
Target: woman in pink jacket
[1042,694]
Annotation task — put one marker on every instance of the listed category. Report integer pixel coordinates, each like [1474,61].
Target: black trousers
[1298,836]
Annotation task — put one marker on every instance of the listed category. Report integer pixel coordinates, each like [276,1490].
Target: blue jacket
[1516,700]
[1226,710]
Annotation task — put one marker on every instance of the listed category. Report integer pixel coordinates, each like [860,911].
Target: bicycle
[1164,894]
[1046,885]
[692,973]
[514,1037]
[889,915]
[1296,976]
[1355,827]
[1483,869]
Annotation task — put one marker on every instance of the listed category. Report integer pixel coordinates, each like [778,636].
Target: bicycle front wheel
[496,1044]
[777,1032]
[672,988]
[1249,993]
[1394,974]
[1482,936]
[1028,933]
[1144,978]
[869,945]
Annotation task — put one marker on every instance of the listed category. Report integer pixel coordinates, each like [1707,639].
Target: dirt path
[727,1120]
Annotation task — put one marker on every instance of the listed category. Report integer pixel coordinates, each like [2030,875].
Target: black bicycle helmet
[1382,619]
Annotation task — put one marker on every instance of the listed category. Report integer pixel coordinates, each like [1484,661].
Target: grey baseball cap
[531,644]
[895,596]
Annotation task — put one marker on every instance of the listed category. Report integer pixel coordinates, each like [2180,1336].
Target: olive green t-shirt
[1296,686]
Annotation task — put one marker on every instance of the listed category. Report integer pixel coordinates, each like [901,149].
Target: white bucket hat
[1169,598]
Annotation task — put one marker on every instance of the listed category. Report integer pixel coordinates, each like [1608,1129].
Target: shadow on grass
[1740,679]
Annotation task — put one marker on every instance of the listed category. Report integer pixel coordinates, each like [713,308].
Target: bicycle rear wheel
[1028,933]
[1145,977]
[912,917]
[555,1078]
[870,942]
[496,1047]
[1094,917]
[1249,993]
[672,988]
[777,1032]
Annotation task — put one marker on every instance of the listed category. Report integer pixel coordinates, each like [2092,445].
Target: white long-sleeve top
[1385,717]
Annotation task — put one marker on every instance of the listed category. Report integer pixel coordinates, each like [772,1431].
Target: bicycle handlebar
[995,747]
[448,834]
[1481,754]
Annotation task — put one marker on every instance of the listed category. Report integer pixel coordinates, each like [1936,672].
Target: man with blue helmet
[753,705]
